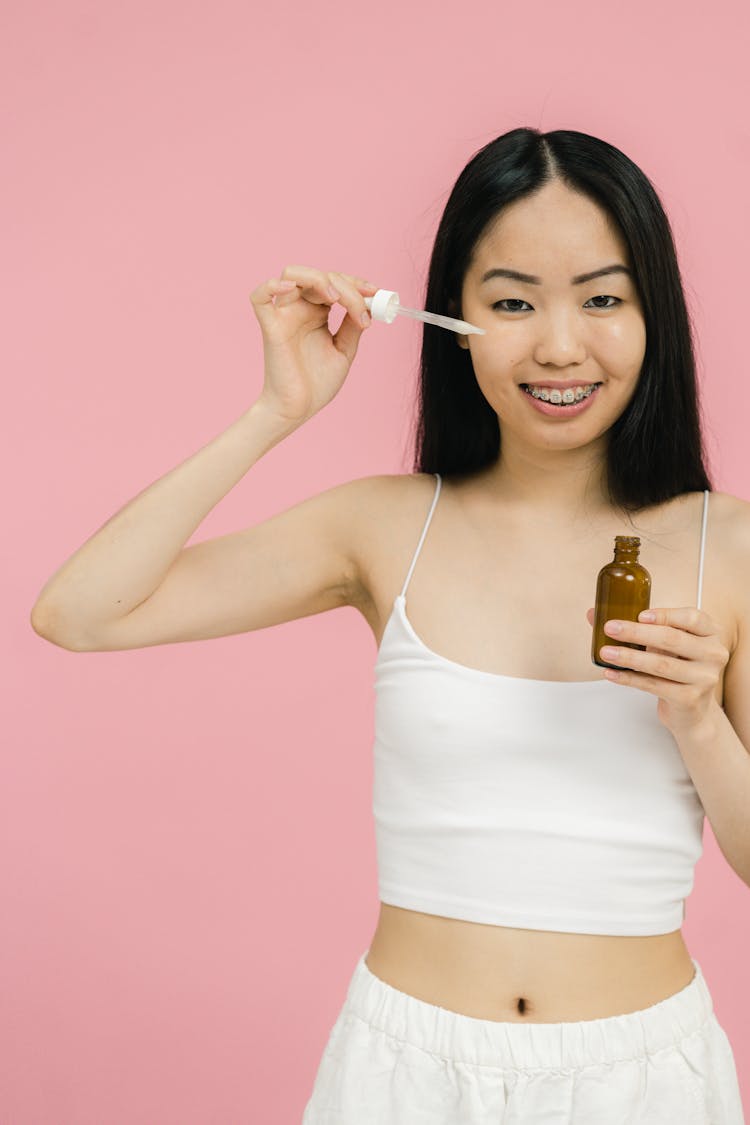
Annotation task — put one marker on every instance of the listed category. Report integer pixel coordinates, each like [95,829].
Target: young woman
[538,819]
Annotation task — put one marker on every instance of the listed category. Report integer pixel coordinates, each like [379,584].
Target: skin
[560,333]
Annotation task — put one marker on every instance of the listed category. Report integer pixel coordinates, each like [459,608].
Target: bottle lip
[627,540]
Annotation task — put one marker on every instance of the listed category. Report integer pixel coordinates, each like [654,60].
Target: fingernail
[334,293]
[647,615]
[364,320]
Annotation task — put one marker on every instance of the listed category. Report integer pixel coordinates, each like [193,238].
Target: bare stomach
[527,976]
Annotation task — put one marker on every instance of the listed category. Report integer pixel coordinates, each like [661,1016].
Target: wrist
[274,425]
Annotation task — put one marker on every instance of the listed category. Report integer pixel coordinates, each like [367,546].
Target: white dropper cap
[386,306]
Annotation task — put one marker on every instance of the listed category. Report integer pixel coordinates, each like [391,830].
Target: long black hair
[655,448]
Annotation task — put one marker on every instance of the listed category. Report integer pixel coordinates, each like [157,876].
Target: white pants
[392,1059]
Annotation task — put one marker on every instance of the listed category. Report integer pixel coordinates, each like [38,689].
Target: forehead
[554,233]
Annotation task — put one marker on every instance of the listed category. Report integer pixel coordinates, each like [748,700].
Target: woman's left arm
[682,666]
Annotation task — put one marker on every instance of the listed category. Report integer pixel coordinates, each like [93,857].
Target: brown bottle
[623,590]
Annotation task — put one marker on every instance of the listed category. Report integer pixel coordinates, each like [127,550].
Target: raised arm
[133,583]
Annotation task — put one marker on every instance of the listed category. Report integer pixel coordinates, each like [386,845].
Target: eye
[510,301]
[518,301]
[606,297]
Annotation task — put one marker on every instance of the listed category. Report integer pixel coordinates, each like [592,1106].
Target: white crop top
[543,804]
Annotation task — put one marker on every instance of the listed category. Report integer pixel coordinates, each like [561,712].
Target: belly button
[521,1005]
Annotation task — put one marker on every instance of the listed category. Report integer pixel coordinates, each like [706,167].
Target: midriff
[485,971]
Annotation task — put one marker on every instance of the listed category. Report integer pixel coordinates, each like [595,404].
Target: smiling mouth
[566,400]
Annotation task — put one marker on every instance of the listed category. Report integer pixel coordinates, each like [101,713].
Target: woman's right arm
[133,583]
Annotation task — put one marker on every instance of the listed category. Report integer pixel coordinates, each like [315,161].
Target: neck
[561,487]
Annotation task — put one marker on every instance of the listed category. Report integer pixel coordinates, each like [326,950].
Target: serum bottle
[623,591]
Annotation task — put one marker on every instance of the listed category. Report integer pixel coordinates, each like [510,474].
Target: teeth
[570,394]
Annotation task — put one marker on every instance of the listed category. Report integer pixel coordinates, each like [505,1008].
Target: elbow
[42,620]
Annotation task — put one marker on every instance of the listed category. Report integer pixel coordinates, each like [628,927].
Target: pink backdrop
[188,869]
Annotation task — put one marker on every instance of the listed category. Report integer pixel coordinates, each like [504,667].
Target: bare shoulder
[736,512]
[386,512]
[384,503]
[733,561]
[729,519]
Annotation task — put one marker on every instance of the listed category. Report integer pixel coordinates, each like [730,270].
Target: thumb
[347,338]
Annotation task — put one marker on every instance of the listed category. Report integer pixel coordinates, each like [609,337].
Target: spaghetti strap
[703,547]
[424,532]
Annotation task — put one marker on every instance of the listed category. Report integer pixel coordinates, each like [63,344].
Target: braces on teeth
[568,396]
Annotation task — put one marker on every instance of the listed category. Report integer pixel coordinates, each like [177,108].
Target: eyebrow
[531,280]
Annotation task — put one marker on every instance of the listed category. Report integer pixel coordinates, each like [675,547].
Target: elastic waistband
[533,1045]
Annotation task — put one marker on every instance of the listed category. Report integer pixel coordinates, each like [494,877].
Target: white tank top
[542,804]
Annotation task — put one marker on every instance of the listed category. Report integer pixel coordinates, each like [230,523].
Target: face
[556,331]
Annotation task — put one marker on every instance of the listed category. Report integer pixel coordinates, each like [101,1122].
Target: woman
[538,820]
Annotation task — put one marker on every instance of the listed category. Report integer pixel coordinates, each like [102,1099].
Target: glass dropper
[385,306]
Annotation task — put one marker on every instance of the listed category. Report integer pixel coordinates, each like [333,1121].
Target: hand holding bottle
[305,364]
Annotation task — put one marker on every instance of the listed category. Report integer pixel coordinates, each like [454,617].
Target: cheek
[623,344]
[499,352]
[495,366]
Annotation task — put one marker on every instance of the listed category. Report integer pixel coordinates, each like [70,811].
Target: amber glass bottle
[623,590]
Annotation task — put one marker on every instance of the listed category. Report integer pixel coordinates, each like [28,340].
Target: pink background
[186,842]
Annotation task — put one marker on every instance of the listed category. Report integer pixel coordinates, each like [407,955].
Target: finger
[350,330]
[655,666]
[670,690]
[367,287]
[347,338]
[289,297]
[351,299]
[657,638]
[314,284]
[262,298]
[689,618]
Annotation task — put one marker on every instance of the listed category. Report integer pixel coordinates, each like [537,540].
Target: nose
[559,340]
